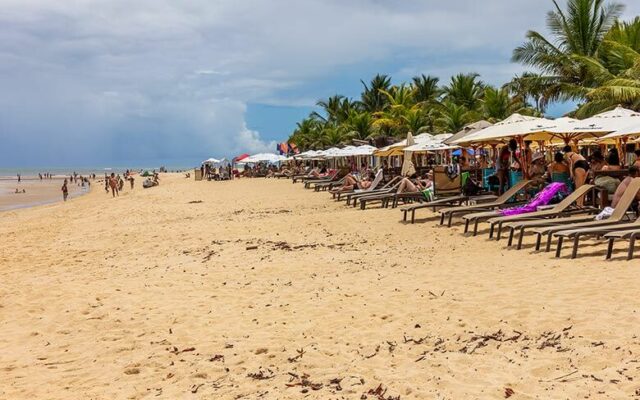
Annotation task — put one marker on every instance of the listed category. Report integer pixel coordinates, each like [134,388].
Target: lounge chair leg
[549,241]
[576,243]
[450,218]
[559,246]
[520,239]
[413,216]
[466,225]
[511,232]
[632,243]
[442,218]
[538,241]
[404,217]
[609,249]
[491,231]
[475,227]
[499,234]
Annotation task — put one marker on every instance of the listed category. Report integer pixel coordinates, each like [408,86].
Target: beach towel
[541,199]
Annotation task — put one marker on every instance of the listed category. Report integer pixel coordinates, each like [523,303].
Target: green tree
[465,90]
[577,31]
[372,97]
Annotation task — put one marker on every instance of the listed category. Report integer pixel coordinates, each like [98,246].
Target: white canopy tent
[211,161]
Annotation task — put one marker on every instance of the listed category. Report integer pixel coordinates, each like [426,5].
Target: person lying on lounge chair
[409,186]
[634,172]
[318,173]
[351,183]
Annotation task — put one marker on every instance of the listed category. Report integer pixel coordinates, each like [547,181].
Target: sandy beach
[261,289]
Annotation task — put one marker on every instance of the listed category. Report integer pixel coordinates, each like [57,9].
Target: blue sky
[117,83]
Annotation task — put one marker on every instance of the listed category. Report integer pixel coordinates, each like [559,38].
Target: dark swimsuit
[581,164]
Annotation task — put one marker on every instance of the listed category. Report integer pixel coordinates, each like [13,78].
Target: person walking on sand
[19,178]
[131,181]
[113,182]
[65,190]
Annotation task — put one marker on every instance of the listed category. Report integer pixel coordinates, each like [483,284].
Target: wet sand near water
[261,289]
[38,192]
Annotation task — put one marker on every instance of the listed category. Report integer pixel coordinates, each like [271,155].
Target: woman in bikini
[351,183]
[578,167]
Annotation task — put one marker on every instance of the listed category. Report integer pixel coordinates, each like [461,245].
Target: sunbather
[409,186]
[351,183]
[634,172]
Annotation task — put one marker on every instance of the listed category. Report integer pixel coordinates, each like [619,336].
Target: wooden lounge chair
[380,196]
[630,235]
[388,187]
[445,202]
[328,185]
[618,216]
[374,184]
[500,202]
[561,209]
[335,176]
[597,231]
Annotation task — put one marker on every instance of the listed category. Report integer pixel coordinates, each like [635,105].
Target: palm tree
[578,31]
[425,89]
[416,121]
[400,101]
[333,136]
[359,125]
[612,89]
[372,98]
[620,46]
[453,117]
[307,134]
[464,90]
[332,108]
[498,105]
[527,87]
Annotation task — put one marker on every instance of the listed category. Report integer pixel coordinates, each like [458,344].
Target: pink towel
[541,199]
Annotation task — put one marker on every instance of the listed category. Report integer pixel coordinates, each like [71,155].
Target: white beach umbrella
[429,146]
[515,125]
[264,157]
[211,161]
[468,130]
[407,165]
[364,150]
[606,123]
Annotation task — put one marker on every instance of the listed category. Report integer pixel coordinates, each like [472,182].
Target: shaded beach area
[255,288]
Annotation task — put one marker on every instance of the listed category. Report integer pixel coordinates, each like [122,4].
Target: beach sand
[38,192]
[261,289]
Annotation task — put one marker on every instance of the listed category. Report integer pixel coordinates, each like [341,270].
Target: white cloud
[250,141]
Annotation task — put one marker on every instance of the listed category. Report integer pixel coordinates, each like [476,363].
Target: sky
[128,83]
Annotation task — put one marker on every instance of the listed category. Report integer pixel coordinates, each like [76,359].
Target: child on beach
[65,190]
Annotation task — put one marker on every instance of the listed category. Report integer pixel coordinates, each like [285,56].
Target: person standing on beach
[65,190]
[131,181]
[113,182]
[19,178]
